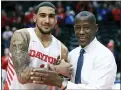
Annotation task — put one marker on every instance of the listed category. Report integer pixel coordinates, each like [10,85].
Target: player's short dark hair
[48,4]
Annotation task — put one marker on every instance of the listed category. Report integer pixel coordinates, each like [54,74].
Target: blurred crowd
[16,15]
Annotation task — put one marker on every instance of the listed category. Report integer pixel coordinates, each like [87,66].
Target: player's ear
[34,18]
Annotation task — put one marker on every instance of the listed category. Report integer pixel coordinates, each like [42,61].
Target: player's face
[45,19]
[85,31]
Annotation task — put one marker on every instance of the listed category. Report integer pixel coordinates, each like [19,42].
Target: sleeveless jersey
[39,57]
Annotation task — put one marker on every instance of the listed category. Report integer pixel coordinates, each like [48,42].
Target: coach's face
[45,19]
[85,31]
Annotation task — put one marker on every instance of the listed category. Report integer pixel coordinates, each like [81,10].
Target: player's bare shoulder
[21,35]
[19,41]
[23,32]
[64,52]
[64,48]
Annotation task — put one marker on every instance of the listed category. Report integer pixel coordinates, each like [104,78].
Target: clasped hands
[51,76]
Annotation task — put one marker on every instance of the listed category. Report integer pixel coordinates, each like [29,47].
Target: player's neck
[43,37]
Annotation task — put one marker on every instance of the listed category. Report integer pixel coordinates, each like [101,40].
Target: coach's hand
[63,68]
[42,76]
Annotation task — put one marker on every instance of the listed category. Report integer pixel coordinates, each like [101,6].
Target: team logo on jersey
[41,56]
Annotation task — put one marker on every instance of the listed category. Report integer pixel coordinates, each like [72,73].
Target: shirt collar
[90,46]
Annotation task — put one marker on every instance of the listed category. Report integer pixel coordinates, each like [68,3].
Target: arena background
[18,14]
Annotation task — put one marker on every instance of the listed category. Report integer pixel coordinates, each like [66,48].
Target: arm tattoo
[20,57]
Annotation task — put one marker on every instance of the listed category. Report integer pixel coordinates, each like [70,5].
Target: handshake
[51,76]
[48,76]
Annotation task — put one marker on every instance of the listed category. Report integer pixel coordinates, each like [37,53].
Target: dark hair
[48,4]
[90,16]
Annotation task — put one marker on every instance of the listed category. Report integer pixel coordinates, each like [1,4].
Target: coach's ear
[96,27]
[56,19]
[34,18]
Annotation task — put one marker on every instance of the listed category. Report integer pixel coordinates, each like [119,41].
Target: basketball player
[34,48]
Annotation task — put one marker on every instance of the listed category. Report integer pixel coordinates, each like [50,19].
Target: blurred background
[19,14]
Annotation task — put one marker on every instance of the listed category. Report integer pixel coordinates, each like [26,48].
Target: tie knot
[82,51]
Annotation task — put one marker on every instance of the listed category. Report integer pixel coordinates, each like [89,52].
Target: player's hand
[58,60]
[25,76]
[63,68]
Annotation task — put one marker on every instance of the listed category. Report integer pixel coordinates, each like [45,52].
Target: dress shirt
[99,67]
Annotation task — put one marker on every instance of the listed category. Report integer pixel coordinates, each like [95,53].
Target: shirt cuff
[71,85]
